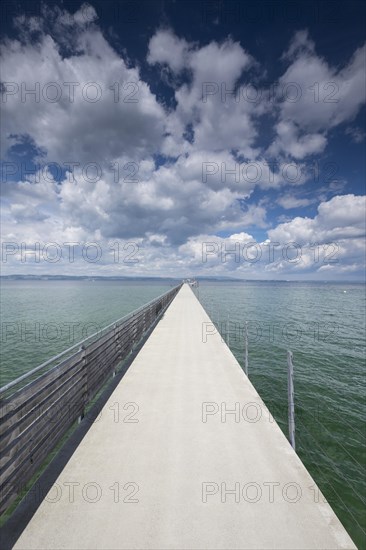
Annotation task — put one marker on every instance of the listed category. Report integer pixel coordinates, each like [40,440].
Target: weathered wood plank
[36,416]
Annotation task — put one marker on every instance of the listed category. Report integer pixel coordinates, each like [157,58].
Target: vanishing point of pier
[183,454]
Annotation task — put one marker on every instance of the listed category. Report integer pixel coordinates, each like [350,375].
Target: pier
[183,455]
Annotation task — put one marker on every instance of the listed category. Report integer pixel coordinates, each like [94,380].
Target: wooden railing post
[85,382]
[117,345]
[64,390]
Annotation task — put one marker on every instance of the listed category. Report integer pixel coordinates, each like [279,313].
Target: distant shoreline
[17,277]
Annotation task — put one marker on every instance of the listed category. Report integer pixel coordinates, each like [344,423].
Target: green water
[322,324]
[42,318]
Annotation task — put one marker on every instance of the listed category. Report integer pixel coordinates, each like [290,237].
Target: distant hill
[29,277]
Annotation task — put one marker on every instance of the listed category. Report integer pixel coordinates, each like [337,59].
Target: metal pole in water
[228,330]
[291,399]
[246,348]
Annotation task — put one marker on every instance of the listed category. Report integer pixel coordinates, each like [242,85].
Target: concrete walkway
[166,466]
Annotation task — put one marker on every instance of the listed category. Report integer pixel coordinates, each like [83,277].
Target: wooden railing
[36,412]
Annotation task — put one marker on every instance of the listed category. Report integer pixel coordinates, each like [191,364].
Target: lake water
[322,324]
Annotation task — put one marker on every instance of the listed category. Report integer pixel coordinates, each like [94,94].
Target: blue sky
[192,136]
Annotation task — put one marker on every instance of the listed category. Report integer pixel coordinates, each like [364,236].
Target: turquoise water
[322,324]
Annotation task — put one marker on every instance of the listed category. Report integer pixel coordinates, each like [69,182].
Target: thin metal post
[228,330]
[291,399]
[246,347]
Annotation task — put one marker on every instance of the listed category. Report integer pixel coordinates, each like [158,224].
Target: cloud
[289,142]
[88,105]
[205,99]
[168,178]
[340,218]
[301,43]
[326,96]
[172,200]
[336,233]
[288,202]
[315,97]
[357,134]
[166,48]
